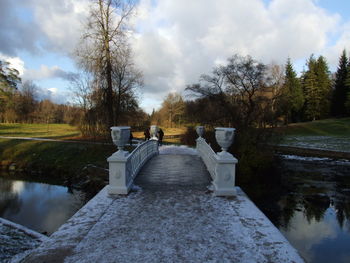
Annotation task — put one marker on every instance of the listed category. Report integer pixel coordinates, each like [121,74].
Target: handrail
[139,156]
[221,167]
[123,167]
[208,156]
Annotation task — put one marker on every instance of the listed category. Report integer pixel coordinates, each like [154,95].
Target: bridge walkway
[166,172]
[169,217]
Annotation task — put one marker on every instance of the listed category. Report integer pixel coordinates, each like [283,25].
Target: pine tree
[347,91]
[339,92]
[293,98]
[311,91]
[324,86]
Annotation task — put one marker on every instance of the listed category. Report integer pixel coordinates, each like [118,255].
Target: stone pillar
[154,131]
[118,181]
[225,175]
[225,170]
[200,132]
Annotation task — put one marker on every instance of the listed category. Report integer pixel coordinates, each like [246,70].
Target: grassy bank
[39,130]
[328,127]
[330,134]
[60,159]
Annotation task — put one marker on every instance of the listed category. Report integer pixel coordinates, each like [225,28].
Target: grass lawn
[329,134]
[328,127]
[59,158]
[58,131]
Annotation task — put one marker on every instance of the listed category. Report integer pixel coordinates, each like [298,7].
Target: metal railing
[138,157]
[124,167]
[222,169]
[208,156]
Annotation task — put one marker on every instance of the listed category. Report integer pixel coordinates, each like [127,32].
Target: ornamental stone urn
[153,132]
[224,137]
[200,131]
[120,136]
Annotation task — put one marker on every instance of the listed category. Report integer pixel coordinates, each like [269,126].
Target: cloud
[45,72]
[16,32]
[60,21]
[39,25]
[15,62]
[53,94]
[177,41]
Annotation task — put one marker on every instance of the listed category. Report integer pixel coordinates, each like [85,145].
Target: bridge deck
[170,224]
[173,172]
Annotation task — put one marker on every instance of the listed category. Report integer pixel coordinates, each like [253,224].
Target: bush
[189,137]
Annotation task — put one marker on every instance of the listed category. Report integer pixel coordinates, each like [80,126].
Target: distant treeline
[247,93]
[243,93]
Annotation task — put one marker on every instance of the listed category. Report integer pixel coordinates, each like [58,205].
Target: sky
[174,41]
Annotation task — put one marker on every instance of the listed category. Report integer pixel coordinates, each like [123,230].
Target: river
[43,207]
[313,212]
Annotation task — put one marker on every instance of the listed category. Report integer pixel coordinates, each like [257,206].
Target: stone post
[225,170]
[118,181]
[154,131]
[200,131]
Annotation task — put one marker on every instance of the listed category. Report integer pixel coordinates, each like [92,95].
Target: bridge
[168,204]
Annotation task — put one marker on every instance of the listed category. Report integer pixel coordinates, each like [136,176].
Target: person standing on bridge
[160,136]
[147,134]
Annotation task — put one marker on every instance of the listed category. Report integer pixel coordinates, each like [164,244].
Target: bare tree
[236,88]
[104,51]
[25,102]
[173,108]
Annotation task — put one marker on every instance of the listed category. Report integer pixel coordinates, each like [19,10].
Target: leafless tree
[105,52]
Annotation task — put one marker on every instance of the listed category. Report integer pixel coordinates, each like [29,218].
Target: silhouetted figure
[160,136]
[147,134]
[130,138]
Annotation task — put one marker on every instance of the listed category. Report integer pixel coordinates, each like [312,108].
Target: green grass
[59,158]
[39,130]
[329,134]
[328,127]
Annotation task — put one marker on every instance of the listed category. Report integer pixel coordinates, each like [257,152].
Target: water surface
[314,211]
[38,206]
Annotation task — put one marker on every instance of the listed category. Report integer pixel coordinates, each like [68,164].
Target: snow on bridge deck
[170,224]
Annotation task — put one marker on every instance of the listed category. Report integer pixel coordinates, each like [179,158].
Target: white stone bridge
[167,213]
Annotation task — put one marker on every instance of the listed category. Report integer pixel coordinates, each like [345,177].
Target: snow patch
[175,149]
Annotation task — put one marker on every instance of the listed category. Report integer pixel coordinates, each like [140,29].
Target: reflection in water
[314,212]
[41,207]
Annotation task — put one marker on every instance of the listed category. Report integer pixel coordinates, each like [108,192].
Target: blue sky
[174,41]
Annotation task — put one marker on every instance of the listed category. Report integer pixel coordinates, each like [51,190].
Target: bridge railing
[124,166]
[222,165]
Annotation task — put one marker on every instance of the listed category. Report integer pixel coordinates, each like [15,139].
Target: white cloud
[53,94]
[15,62]
[45,72]
[61,21]
[177,41]
[180,40]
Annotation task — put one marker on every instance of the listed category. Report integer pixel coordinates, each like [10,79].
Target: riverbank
[311,152]
[76,164]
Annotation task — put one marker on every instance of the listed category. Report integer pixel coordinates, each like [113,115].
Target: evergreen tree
[9,79]
[293,97]
[339,92]
[324,86]
[311,91]
[347,91]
